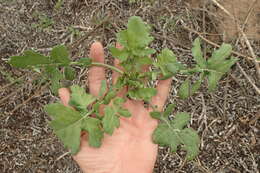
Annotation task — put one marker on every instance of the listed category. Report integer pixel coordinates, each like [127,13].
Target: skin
[130,148]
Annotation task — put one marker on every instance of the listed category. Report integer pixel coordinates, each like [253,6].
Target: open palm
[130,148]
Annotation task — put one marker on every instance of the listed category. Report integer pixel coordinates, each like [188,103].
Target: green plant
[68,123]
[75,32]
[58,4]
[44,22]
[9,77]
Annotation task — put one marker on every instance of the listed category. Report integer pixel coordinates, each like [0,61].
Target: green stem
[107,66]
[100,65]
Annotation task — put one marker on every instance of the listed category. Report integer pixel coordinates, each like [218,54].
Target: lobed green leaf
[137,34]
[184,91]
[60,54]
[197,54]
[66,124]
[168,110]
[220,54]
[142,93]
[110,121]
[180,120]
[109,96]
[167,63]
[80,99]
[28,59]
[55,76]
[165,136]
[172,133]
[69,73]
[121,54]
[95,134]
[191,142]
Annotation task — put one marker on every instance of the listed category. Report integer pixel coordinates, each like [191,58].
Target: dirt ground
[227,120]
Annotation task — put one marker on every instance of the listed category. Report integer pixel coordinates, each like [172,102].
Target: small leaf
[218,65]
[122,38]
[155,115]
[142,93]
[167,62]
[144,61]
[191,142]
[184,91]
[226,65]
[187,89]
[69,73]
[164,136]
[122,55]
[138,33]
[180,120]
[219,55]
[103,88]
[110,95]
[174,67]
[110,121]
[28,59]
[213,79]
[95,135]
[118,101]
[197,54]
[66,124]
[58,4]
[143,52]
[168,110]
[55,76]
[96,109]
[196,86]
[124,112]
[171,134]
[80,99]
[60,54]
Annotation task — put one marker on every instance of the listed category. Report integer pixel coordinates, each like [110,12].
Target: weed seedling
[68,123]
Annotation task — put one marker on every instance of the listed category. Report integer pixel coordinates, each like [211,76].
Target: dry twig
[248,78]
[13,82]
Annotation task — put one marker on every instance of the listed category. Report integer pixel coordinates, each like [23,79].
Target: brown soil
[227,120]
[246,13]
[241,9]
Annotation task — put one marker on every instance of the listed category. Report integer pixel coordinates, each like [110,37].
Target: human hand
[130,148]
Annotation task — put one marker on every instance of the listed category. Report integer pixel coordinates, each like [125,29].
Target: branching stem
[100,65]
[107,66]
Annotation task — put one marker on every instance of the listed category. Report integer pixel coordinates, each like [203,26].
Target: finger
[96,74]
[64,95]
[163,88]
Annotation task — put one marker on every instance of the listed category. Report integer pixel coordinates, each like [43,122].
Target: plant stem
[107,66]
[100,65]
